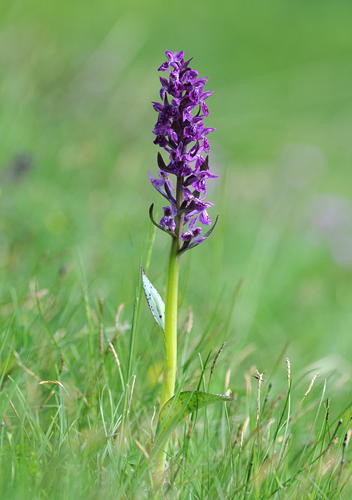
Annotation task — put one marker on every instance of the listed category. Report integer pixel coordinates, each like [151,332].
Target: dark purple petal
[201,82]
[194,131]
[204,218]
[187,194]
[205,95]
[164,66]
[199,162]
[205,144]
[208,130]
[192,231]
[200,183]
[159,183]
[151,216]
[187,115]
[174,59]
[160,140]
[174,112]
[186,236]
[205,109]
[173,136]
[189,76]
[158,106]
[167,221]
[195,94]
[194,150]
[164,83]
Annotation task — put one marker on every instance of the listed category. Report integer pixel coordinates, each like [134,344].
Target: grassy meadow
[274,280]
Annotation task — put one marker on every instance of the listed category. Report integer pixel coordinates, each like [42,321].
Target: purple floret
[180,131]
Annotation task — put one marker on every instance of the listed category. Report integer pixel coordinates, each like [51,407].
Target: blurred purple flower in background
[180,131]
[331,218]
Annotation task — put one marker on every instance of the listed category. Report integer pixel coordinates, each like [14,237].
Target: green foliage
[76,425]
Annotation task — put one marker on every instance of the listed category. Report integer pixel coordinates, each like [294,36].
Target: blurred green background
[77,81]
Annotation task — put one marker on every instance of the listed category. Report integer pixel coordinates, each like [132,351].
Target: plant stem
[170,363]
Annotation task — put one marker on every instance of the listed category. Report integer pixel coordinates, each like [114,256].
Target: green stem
[170,364]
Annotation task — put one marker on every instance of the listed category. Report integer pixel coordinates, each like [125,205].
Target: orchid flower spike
[180,131]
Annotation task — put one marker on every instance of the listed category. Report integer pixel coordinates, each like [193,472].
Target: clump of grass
[77,422]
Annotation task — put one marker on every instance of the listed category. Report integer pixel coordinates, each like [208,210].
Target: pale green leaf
[155,302]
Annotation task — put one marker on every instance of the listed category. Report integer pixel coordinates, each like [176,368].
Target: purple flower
[168,221]
[192,231]
[165,182]
[173,60]
[180,131]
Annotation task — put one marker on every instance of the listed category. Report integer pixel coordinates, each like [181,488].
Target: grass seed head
[216,359]
[288,367]
[310,385]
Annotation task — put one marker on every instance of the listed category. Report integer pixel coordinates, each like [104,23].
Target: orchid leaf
[155,302]
[180,405]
